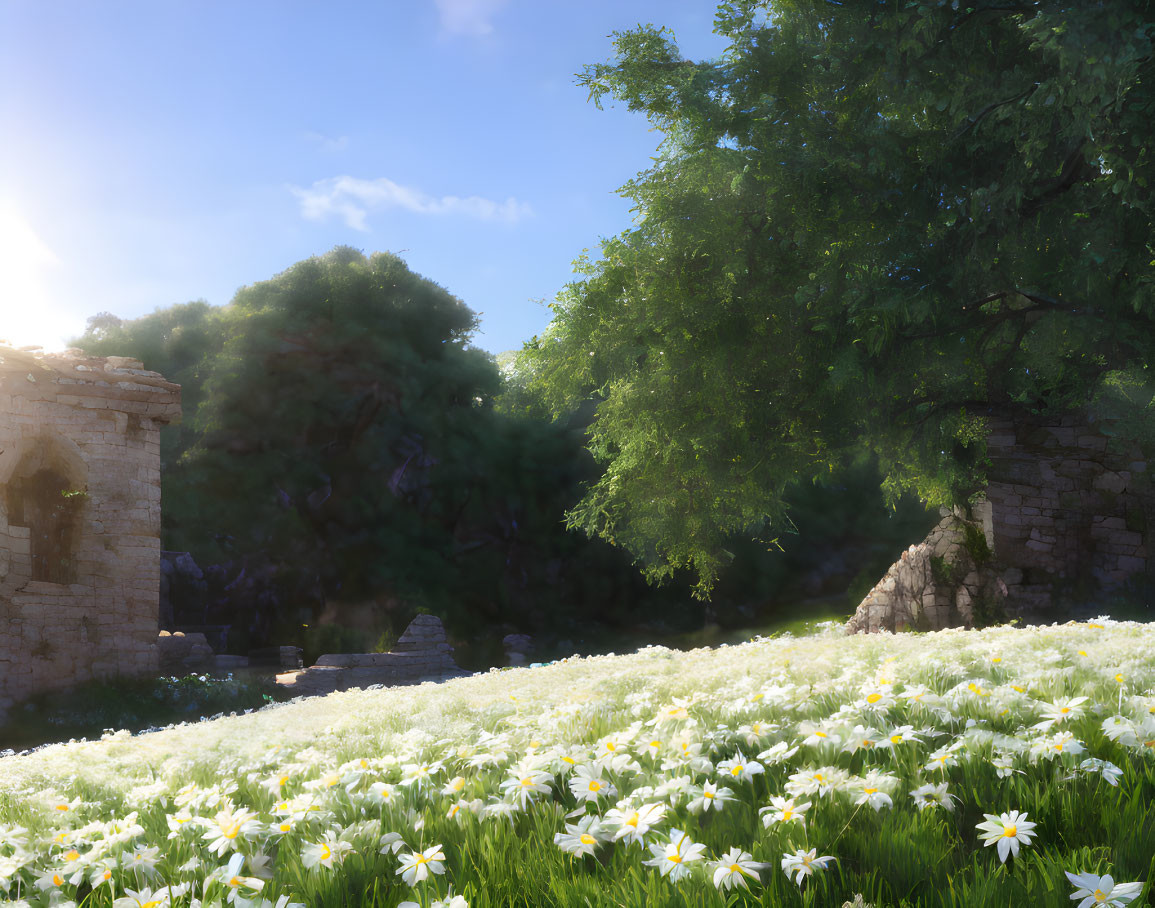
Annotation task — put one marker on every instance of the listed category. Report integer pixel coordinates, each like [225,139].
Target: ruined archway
[46,494]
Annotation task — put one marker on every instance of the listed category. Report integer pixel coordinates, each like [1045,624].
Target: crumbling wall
[947,580]
[1065,518]
[422,653]
[79,518]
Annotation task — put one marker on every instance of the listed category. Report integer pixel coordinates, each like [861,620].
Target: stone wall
[938,583]
[1070,512]
[422,653]
[1065,519]
[79,518]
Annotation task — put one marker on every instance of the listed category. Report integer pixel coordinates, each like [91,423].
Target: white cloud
[353,199]
[468,17]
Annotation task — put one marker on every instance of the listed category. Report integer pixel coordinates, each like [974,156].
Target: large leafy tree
[868,224]
[340,443]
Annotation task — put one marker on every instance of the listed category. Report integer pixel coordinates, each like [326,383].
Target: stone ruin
[422,653]
[79,518]
[1064,518]
[517,648]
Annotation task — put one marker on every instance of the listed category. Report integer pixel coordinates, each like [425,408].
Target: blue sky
[162,151]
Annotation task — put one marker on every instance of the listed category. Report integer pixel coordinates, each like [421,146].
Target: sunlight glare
[27,314]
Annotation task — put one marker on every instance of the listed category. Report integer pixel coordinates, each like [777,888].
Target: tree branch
[1073,169]
[994,105]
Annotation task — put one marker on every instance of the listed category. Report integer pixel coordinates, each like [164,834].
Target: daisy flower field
[1009,766]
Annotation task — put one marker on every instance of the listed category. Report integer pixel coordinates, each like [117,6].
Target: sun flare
[28,314]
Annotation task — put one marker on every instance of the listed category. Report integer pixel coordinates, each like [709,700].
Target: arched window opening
[46,504]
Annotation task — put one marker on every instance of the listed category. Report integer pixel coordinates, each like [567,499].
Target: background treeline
[346,457]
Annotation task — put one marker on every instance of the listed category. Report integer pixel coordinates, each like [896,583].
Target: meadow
[1009,766]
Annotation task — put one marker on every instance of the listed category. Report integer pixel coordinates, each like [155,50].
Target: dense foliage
[963,769]
[868,225]
[341,444]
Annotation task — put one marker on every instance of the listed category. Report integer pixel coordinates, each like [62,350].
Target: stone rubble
[422,653]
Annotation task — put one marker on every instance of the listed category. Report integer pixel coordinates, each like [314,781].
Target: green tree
[339,442]
[178,342]
[868,225]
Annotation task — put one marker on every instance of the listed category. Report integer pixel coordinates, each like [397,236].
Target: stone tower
[79,518]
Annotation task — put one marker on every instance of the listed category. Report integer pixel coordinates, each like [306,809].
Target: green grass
[340,766]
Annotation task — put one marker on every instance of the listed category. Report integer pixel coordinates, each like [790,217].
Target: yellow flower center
[610,745]
[787,814]
[235,882]
[1100,895]
[282,781]
[570,760]
[894,739]
[676,858]
[996,658]
[1064,710]
[870,791]
[1009,832]
[107,875]
[633,821]
[819,777]
[866,742]
[527,782]
[422,859]
[595,785]
[1082,652]
[326,853]
[820,734]
[62,807]
[707,794]
[737,770]
[655,744]
[587,839]
[873,698]
[1119,678]
[734,868]
[57,879]
[72,855]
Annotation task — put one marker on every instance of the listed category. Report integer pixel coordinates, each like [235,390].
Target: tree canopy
[867,225]
[340,443]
